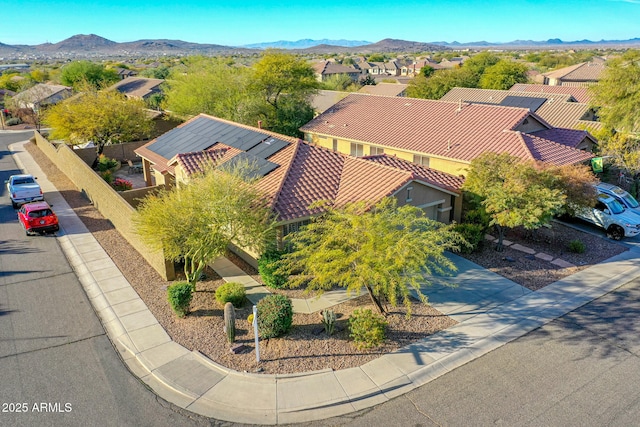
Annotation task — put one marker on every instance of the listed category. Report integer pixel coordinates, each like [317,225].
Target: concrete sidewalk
[491,310]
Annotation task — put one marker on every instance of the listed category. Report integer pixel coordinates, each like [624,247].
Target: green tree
[212,86]
[388,250]
[503,75]
[8,82]
[103,117]
[436,86]
[479,63]
[161,72]
[196,223]
[617,95]
[77,73]
[514,192]
[427,71]
[376,57]
[338,82]
[277,75]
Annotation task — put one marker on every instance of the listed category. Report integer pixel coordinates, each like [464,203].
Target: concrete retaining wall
[104,198]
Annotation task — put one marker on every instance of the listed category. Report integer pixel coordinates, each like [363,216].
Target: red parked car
[37,217]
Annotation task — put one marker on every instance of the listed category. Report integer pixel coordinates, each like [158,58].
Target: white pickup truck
[23,189]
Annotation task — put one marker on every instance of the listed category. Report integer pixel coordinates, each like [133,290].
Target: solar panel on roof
[203,132]
[532,103]
[268,148]
[258,167]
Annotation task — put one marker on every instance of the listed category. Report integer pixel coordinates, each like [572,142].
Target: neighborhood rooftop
[449,130]
[299,173]
[558,109]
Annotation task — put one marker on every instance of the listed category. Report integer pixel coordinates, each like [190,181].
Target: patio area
[136,178]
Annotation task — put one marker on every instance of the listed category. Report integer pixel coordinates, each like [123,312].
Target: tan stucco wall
[105,199]
[344,146]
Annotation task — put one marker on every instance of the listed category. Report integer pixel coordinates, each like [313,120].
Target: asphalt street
[583,369]
[57,366]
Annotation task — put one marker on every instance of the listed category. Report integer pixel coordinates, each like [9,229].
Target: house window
[376,151]
[335,144]
[421,160]
[357,150]
[409,190]
[293,227]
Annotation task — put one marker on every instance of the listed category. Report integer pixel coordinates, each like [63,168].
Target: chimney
[259,124]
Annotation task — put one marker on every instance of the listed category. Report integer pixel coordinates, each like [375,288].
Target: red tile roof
[308,173]
[450,130]
[581,94]
[559,109]
[552,152]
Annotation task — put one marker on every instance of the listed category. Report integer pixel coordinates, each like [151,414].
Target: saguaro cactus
[230,322]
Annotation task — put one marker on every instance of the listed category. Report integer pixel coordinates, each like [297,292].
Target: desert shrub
[367,328]
[477,216]
[13,121]
[106,163]
[107,176]
[267,265]
[179,296]
[275,315]
[472,233]
[577,247]
[232,292]
[120,184]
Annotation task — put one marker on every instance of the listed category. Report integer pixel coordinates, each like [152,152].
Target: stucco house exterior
[444,136]
[41,95]
[293,174]
[326,69]
[583,74]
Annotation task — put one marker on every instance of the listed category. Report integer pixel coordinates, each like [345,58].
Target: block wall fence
[114,207]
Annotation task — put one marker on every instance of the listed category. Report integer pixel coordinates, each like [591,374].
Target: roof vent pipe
[259,124]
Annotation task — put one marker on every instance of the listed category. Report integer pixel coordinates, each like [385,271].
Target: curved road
[57,366]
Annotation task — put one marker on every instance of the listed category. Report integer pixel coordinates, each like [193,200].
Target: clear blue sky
[236,23]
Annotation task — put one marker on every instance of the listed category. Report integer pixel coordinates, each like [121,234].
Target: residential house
[125,73]
[560,110]
[294,174]
[453,62]
[580,93]
[325,99]
[441,135]
[41,95]
[138,87]
[386,89]
[415,68]
[325,69]
[390,68]
[583,74]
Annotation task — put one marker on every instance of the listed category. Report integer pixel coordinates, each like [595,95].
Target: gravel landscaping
[307,347]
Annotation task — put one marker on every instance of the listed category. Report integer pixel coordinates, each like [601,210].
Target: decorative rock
[506,242]
[562,263]
[531,257]
[489,237]
[239,348]
[508,258]
[543,256]
[524,249]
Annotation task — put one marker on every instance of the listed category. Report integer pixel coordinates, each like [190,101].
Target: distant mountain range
[306,43]
[95,46]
